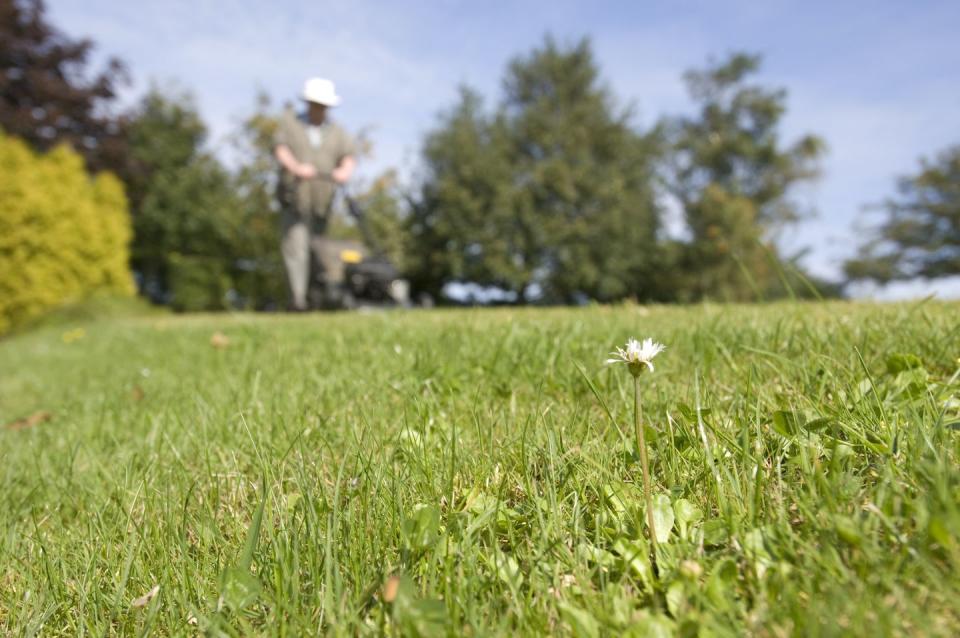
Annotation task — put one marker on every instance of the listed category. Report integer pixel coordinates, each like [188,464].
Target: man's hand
[341,174]
[305,171]
[296,168]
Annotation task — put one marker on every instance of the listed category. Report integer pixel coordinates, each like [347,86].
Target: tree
[920,236]
[165,133]
[551,196]
[587,203]
[188,221]
[459,218]
[258,274]
[186,212]
[732,177]
[47,95]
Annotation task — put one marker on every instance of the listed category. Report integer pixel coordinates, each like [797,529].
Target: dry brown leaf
[219,340]
[73,335]
[29,421]
[137,393]
[390,589]
[144,600]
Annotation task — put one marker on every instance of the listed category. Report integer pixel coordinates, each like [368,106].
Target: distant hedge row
[63,234]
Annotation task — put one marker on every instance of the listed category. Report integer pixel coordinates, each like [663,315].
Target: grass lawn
[476,473]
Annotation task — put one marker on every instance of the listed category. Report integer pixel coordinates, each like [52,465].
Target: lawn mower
[348,274]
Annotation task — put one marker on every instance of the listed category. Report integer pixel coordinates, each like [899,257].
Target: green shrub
[63,234]
[198,283]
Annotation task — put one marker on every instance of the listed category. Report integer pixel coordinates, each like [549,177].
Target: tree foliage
[463,206]
[920,236]
[256,270]
[183,201]
[732,176]
[165,133]
[63,234]
[206,237]
[47,94]
[190,212]
[550,195]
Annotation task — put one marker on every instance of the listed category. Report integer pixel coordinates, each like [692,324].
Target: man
[315,157]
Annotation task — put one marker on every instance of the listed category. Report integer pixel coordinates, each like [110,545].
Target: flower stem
[647,492]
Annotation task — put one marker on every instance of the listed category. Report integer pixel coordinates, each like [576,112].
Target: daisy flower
[637,355]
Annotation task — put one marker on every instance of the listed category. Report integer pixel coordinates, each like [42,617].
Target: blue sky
[880,81]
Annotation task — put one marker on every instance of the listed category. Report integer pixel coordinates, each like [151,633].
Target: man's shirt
[323,147]
[315,134]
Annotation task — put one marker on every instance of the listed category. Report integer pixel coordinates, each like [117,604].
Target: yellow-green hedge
[63,234]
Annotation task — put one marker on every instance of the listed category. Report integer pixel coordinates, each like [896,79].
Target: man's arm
[289,162]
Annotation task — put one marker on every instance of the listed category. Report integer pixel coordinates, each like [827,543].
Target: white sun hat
[321,91]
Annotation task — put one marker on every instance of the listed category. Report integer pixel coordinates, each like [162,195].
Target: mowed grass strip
[474,473]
